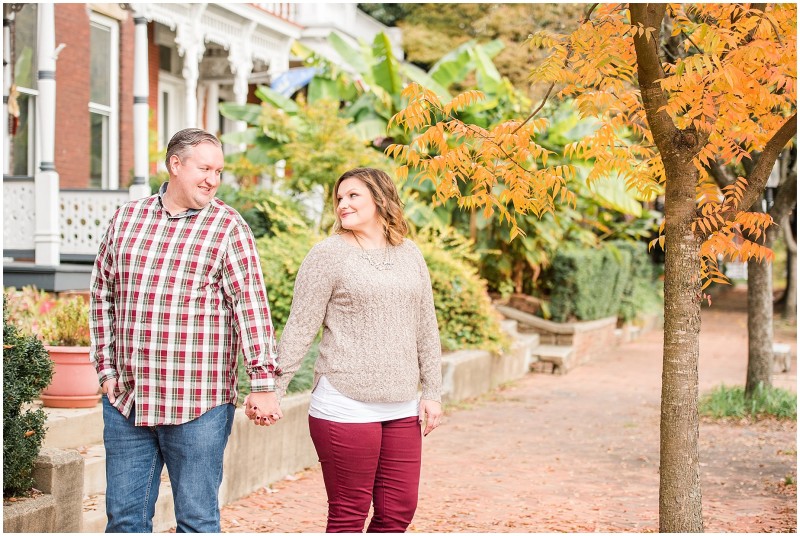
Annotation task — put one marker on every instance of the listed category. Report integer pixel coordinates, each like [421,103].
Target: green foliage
[265,211]
[643,292]
[616,278]
[768,401]
[27,370]
[589,283]
[317,144]
[281,256]
[463,308]
[67,323]
[302,381]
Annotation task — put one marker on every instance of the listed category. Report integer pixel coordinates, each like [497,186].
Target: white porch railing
[19,214]
[83,216]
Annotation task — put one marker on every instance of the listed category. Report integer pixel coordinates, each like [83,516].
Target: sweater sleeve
[312,291]
[429,346]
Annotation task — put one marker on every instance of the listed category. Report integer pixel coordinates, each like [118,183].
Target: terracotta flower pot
[74,383]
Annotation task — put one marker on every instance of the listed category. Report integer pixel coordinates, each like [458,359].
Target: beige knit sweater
[380,339]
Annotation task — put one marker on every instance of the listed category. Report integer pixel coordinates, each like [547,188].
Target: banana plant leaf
[369,129]
[351,55]
[271,96]
[386,68]
[415,74]
[248,113]
[323,88]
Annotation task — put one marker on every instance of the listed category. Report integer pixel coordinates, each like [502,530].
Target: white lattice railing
[83,217]
[19,214]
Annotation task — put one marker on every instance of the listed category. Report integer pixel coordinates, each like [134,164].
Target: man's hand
[109,386]
[263,408]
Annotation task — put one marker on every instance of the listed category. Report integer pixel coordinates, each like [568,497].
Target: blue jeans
[135,456]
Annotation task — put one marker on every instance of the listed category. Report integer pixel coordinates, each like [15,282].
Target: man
[176,294]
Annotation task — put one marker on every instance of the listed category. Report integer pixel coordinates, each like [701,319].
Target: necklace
[386,264]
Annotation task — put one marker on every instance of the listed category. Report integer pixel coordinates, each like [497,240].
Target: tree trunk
[759,317]
[680,497]
[680,500]
[759,325]
[790,294]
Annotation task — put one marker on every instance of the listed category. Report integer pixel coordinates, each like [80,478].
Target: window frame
[110,173]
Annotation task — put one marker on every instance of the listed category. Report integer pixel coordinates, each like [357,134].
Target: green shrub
[302,381]
[616,278]
[463,308]
[725,401]
[643,292]
[27,370]
[281,256]
[588,283]
[264,211]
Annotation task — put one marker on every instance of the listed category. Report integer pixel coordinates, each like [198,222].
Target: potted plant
[65,333]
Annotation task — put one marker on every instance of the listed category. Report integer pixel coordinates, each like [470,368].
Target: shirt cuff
[105,374]
[261,381]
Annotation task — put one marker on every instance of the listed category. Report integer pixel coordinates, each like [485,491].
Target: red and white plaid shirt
[174,300]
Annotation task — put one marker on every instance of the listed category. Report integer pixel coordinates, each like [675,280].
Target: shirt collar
[189,212]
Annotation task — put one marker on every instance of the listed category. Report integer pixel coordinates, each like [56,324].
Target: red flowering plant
[28,308]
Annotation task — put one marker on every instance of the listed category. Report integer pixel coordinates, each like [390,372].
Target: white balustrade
[84,216]
[19,214]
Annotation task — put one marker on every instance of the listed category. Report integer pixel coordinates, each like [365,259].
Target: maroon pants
[376,463]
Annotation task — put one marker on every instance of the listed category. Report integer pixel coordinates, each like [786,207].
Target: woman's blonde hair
[387,201]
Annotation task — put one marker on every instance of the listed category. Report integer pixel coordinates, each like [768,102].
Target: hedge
[617,279]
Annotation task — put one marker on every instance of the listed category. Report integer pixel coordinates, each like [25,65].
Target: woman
[369,288]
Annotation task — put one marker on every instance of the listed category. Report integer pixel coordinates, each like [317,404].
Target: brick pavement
[579,453]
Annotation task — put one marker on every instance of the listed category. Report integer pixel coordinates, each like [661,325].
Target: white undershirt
[329,404]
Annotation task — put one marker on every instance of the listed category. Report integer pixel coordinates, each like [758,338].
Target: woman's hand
[431,411]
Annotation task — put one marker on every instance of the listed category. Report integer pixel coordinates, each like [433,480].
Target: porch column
[241,60]
[191,45]
[47,236]
[141,91]
[212,108]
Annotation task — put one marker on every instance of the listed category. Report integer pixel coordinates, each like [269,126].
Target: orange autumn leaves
[732,80]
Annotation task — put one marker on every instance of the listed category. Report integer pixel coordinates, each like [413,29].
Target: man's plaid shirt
[174,301]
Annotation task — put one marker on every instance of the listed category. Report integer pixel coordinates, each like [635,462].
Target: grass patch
[730,402]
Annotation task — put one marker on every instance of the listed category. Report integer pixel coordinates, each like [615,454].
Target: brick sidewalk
[578,453]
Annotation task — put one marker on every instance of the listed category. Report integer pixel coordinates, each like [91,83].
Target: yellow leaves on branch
[502,169]
[728,232]
[736,84]
[739,81]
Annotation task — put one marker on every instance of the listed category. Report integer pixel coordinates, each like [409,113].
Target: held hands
[432,413]
[262,408]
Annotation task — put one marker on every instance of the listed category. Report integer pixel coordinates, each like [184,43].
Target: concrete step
[73,428]
[94,510]
[560,357]
[94,469]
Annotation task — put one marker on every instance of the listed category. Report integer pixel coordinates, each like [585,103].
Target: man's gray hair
[184,139]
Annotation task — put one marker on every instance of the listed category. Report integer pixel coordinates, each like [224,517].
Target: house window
[103,108]
[22,154]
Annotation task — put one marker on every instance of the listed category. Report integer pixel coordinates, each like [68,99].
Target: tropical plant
[718,84]
[313,140]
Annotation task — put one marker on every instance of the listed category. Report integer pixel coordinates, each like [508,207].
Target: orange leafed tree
[676,88]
